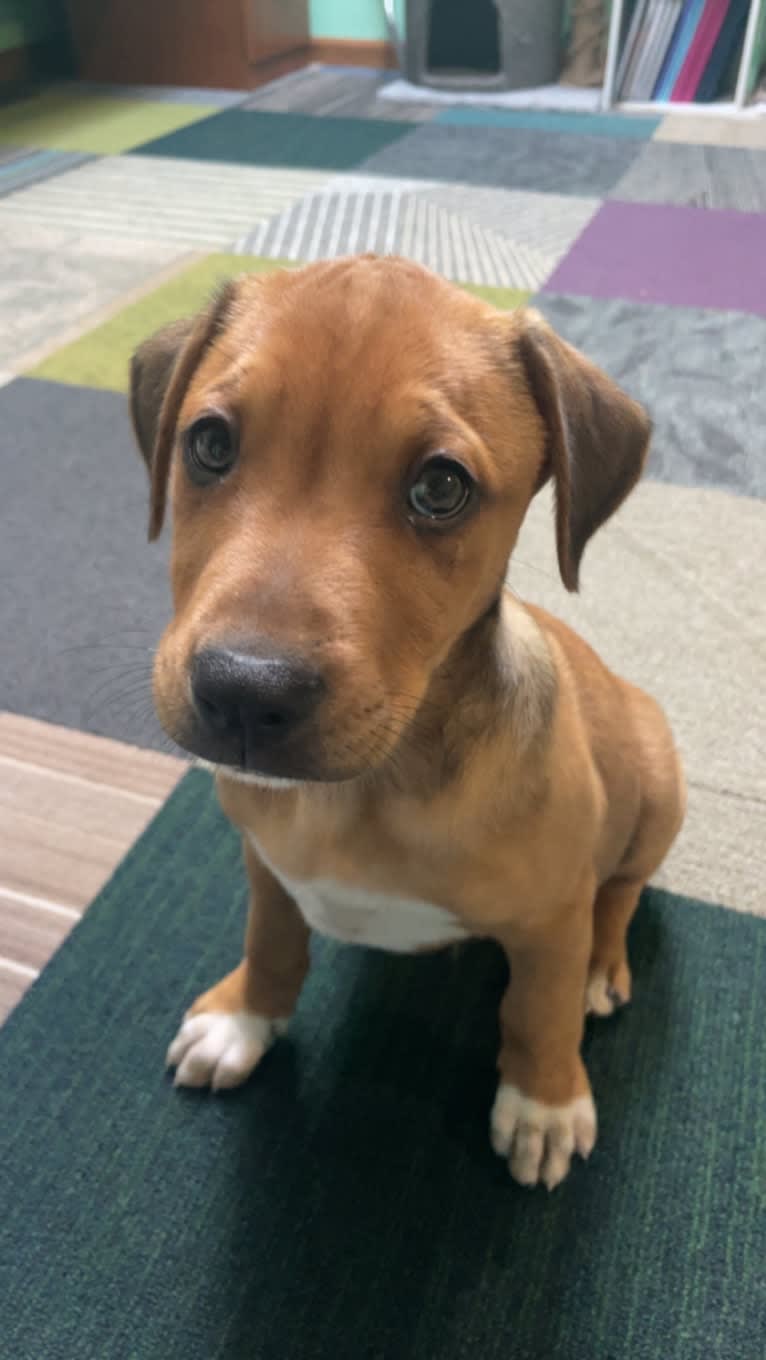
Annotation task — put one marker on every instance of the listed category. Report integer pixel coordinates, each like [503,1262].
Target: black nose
[249,703]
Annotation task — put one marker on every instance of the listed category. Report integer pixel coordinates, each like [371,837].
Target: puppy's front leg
[226,1032]
[544,1111]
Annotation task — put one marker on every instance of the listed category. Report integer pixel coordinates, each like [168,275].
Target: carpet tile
[663,253]
[709,420]
[713,130]
[522,158]
[346,1202]
[20,166]
[548,120]
[101,357]
[498,238]
[63,120]
[168,94]
[696,176]
[53,278]
[338,92]
[201,205]
[242,137]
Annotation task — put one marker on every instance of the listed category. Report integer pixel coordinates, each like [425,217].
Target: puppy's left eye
[209,450]
[442,490]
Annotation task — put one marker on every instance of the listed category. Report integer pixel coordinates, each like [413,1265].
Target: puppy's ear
[597,438]
[150,370]
[160,372]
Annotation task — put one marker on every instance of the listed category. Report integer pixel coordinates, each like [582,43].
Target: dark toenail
[616,998]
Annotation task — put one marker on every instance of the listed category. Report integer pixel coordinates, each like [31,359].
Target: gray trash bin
[481,45]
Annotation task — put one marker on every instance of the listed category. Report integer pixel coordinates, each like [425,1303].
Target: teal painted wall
[358,19]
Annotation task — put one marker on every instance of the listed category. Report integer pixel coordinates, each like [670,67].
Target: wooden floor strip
[30,934]
[71,805]
[99,760]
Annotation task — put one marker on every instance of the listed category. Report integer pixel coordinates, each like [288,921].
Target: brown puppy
[413,756]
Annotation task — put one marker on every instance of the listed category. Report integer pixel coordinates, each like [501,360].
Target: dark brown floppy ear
[598,438]
[150,370]
[160,372]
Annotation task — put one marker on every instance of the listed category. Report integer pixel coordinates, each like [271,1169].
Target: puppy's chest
[365,915]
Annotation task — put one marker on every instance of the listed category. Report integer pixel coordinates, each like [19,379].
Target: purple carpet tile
[685,257]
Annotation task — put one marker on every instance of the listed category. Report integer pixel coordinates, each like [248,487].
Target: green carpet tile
[100,358]
[74,120]
[345,1203]
[250,138]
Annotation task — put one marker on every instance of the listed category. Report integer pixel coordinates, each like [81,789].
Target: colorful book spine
[654,24]
[681,44]
[700,50]
[679,51]
[665,29]
[671,49]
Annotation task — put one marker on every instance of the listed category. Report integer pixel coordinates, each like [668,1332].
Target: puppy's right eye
[209,450]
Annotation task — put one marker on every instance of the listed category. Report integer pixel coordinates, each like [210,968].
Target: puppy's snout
[250,703]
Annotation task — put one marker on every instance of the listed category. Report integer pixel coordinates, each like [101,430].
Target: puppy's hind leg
[617,899]
[663,805]
[609,981]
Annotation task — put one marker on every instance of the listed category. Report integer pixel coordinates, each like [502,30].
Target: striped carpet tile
[395,220]
[548,222]
[197,204]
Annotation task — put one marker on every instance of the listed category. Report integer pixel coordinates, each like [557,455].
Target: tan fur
[471,751]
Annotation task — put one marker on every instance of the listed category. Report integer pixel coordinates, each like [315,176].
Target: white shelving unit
[736,107]
[573,100]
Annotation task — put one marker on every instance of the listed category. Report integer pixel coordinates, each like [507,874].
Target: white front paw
[220,1048]
[538,1140]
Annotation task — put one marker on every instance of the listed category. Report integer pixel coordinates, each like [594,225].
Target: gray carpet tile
[333,91]
[53,278]
[21,166]
[511,158]
[718,853]
[699,176]
[82,594]
[671,597]
[701,373]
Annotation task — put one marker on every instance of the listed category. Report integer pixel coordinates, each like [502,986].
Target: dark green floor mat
[345,1203]
[243,137]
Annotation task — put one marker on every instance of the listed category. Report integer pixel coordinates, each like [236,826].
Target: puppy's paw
[607,990]
[220,1048]
[539,1140]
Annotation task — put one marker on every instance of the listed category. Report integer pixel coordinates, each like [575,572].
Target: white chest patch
[399,924]
[356,916]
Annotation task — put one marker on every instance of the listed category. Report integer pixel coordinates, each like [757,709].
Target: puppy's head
[350,450]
